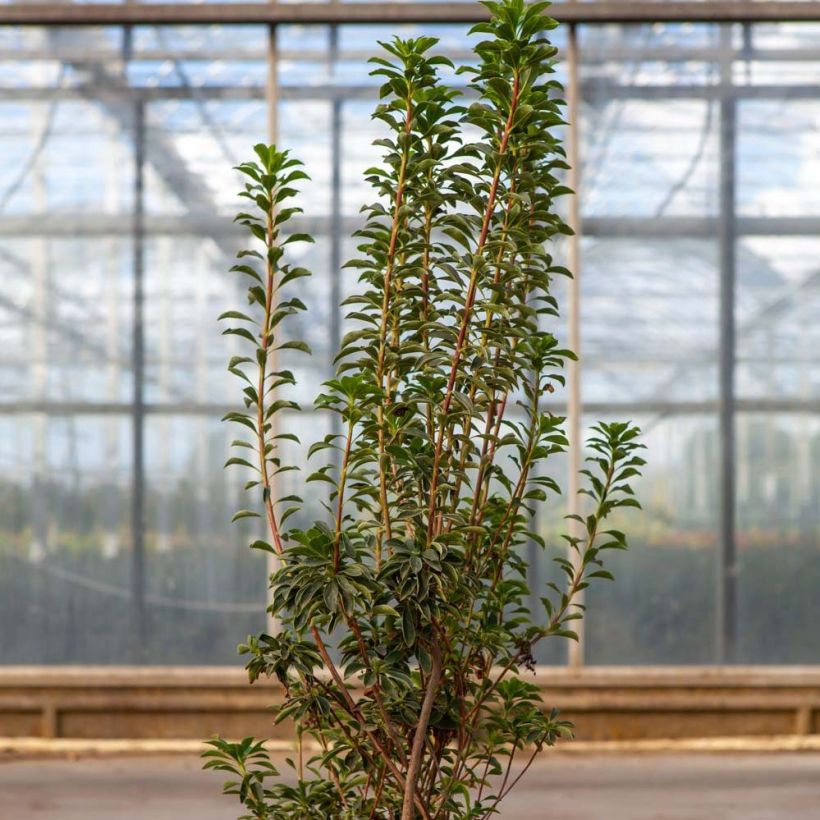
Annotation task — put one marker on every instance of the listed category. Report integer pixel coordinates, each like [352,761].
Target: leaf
[241,331]
[295,345]
[234,314]
[241,462]
[320,476]
[244,514]
[408,628]
[298,237]
[263,546]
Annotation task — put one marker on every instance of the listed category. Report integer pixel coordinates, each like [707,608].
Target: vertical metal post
[574,407]
[203,529]
[41,514]
[138,400]
[272,99]
[113,333]
[726,620]
[335,260]
[272,85]
[162,422]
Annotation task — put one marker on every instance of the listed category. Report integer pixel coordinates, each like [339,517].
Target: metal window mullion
[138,398]
[336,223]
[726,603]
[272,100]
[574,401]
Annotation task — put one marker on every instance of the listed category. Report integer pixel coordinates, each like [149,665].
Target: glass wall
[699,167]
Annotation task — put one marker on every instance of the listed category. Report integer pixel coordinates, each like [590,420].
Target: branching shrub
[403,612]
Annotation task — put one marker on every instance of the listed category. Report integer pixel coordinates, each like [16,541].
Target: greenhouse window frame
[729,225]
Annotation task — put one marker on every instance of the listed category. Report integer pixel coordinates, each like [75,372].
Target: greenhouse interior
[692,132]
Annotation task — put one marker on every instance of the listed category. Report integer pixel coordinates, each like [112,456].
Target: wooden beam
[141,704]
[32,678]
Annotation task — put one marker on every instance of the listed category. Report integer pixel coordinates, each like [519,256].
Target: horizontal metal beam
[210,409]
[620,52]
[105,225]
[602,11]
[697,226]
[593,91]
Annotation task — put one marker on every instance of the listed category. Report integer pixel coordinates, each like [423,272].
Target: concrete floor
[623,787]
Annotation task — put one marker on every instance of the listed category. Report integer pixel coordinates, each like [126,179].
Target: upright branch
[269,187]
[467,311]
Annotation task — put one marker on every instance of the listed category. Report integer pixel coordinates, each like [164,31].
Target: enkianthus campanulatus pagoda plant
[405,640]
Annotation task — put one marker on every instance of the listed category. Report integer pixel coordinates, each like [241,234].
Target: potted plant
[404,624]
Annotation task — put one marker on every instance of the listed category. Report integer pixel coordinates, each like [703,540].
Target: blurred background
[699,147]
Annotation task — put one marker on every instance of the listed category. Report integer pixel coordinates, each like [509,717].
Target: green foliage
[404,617]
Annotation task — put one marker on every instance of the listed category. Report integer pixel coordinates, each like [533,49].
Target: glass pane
[205,589]
[67,254]
[778,166]
[778,475]
[661,607]
[778,302]
[649,320]
[649,277]
[648,127]
[66,190]
[778,53]
[65,317]
[65,564]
